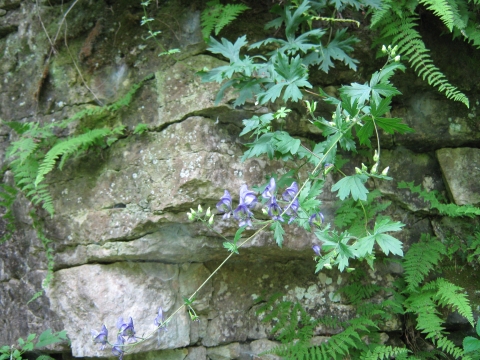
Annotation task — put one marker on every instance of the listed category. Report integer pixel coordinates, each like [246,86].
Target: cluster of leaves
[397,22]
[285,69]
[413,296]
[8,194]
[216,16]
[32,343]
[34,155]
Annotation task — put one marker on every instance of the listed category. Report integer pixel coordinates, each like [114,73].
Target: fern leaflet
[216,16]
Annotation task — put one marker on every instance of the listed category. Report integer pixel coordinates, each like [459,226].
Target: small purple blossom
[274,210]
[316,249]
[270,189]
[159,320]
[316,219]
[126,329]
[100,337]
[247,197]
[247,201]
[290,192]
[225,205]
[117,348]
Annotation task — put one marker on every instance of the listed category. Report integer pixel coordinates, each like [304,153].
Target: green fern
[398,28]
[216,16]
[450,210]
[8,194]
[421,258]
[380,352]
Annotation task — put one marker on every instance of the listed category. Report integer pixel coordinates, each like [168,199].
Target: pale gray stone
[461,171]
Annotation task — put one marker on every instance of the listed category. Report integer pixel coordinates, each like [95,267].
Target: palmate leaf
[278,232]
[336,49]
[353,185]
[263,145]
[226,48]
[387,243]
[284,143]
[292,76]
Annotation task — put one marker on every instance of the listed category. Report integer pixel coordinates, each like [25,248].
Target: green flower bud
[349,270]
[364,167]
[384,49]
[385,171]
[357,170]
[193,212]
[190,216]
[374,168]
[210,221]
[397,58]
[200,210]
[208,213]
[375,156]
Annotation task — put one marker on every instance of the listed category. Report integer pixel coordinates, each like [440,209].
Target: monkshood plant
[360,107]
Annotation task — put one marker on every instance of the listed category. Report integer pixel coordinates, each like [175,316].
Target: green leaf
[238,234]
[226,48]
[278,232]
[471,344]
[285,143]
[390,125]
[389,244]
[263,145]
[352,185]
[231,247]
[47,338]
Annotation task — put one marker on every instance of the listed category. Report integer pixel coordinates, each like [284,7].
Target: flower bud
[349,270]
[397,58]
[357,170]
[385,171]
[265,211]
[208,213]
[375,156]
[190,216]
[193,212]
[210,221]
[328,266]
[384,49]
[374,168]
[200,210]
[364,167]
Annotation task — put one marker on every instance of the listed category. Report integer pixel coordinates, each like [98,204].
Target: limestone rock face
[461,171]
[121,241]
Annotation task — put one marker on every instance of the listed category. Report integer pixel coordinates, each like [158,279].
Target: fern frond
[450,210]
[216,16]
[442,9]
[381,352]
[400,31]
[449,294]
[66,148]
[420,259]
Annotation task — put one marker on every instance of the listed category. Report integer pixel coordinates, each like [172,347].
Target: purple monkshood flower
[316,249]
[270,189]
[100,337]
[316,219]
[274,210]
[290,192]
[117,348]
[159,320]
[126,329]
[225,205]
[247,201]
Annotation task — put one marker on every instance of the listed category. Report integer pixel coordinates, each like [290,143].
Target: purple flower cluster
[125,330]
[248,200]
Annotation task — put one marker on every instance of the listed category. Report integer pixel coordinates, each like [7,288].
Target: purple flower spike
[290,192]
[100,337]
[117,348]
[316,249]
[225,205]
[244,215]
[270,189]
[274,210]
[126,329]
[247,197]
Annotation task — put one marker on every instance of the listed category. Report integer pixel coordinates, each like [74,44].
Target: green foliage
[25,345]
[471,345]
[140,129]
[432,197]
[422,258]
[34,155]
[8,194]
[216,16]
[397,20]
